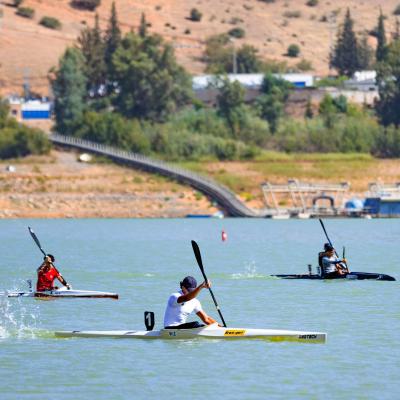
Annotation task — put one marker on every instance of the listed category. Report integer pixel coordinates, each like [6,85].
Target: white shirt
[177,313]
[328,264]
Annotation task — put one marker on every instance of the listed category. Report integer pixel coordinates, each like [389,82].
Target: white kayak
[208,332]
[62,293]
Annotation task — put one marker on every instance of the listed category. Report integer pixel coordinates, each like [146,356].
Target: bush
[293,50]
[51,23]
[292,14]
[17,3]
[237,33]
[19,141]
[396,11]
[195,15]
[304,65]
[26,12]
[312,3]
[90,5]
[113,129]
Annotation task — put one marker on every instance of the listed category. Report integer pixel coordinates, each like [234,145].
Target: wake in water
[16,320]
[250,272]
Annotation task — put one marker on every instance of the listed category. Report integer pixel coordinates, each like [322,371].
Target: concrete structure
[383,200]
[24,110]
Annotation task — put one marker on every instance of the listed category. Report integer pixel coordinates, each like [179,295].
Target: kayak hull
[351,276]
[63,293]
[208,332]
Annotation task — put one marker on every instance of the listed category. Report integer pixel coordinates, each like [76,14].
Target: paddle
[34,237]
[329,240]
[197,254]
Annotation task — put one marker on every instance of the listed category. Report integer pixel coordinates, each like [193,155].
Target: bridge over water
[225,198]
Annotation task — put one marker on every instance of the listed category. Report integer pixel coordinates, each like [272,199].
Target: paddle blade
[197,254]
[34,237]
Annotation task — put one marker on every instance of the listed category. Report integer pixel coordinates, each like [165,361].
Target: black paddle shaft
[197,254]
[34,237]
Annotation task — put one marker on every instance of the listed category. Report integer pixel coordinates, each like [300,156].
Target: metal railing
[225,198]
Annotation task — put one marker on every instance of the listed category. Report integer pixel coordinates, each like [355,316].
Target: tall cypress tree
[69,88]
[381,37]
[345,56]
[112,40]
[388,105]
[396,35]
[91,44]
[143,26]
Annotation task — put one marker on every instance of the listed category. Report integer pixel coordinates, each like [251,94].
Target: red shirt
[46,279]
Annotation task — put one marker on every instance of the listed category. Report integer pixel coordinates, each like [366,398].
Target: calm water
[143,260]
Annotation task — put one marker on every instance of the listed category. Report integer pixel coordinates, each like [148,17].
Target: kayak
[62,293]
[207,332]
[351,276]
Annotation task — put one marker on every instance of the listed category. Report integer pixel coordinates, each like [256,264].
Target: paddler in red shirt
[47,273]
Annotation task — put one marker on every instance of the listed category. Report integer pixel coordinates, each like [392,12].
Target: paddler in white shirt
[182,303]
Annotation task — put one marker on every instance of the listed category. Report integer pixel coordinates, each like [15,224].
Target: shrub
[312,3]
[17,3]
[304,65]
[26,12]
[90,5]
[293,50]
[237,33]
[19,141]
[51,23]
[396,11]
[195,15]
[292,14]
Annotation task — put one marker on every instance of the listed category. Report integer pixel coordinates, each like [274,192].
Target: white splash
[249,273]
[16,320]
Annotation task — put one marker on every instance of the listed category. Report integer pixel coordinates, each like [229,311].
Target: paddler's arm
[205,318]
[61,278]
[191,295]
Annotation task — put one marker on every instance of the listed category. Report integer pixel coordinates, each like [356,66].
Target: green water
[143,260]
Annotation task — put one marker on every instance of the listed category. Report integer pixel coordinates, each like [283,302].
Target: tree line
[129,91]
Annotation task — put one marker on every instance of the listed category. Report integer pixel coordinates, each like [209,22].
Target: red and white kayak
[62,293]
[207,332]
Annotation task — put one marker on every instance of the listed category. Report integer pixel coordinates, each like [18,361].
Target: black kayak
[350,276]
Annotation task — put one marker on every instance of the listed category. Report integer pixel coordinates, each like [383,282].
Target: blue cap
[189,283]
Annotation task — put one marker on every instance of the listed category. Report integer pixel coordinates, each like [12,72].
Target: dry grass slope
[26,48]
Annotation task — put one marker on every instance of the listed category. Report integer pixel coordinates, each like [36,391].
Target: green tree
[230,103]
[381,38]
[247,60]
[345,56]
[388,78]
[92,46]
[271,103]
[218,55]
[151,85]
[112,40]
[69,88]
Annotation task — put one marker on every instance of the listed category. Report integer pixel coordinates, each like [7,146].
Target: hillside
[28,50]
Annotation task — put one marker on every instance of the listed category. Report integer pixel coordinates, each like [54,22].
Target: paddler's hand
[344,260]
[206,285]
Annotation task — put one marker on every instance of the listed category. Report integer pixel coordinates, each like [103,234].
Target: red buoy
[224,236]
